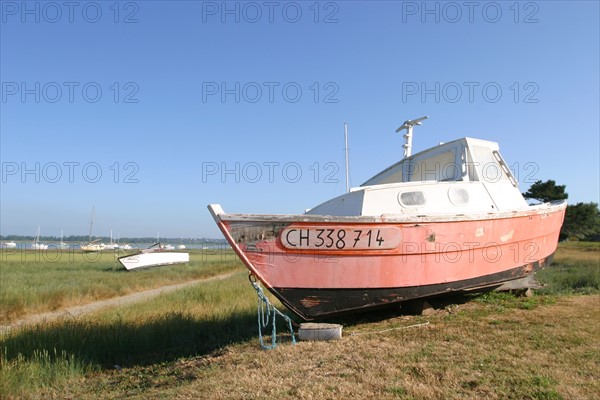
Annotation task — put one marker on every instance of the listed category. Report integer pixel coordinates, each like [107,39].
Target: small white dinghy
[153,256]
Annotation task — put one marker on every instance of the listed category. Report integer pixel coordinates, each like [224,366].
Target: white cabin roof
[397,172]
[465,175]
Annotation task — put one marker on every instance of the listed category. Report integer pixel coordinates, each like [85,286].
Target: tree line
[582,220]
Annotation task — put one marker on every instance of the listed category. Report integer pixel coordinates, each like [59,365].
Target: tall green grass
[21,376]
[567,278]
[576,269]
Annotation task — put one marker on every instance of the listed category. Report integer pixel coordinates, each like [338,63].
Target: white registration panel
[341,238]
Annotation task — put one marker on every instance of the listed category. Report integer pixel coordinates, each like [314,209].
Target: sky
[148,111]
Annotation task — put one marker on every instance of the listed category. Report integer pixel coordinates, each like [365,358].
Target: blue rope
[265,312]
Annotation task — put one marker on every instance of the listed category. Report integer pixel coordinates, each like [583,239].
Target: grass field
[39,281]
[201,342]
[576,269]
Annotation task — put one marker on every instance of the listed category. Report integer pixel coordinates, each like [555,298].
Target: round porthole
[458,196]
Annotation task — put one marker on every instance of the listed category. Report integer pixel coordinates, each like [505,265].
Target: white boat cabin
[463,176]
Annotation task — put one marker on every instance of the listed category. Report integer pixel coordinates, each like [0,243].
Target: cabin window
[491,166]
[438,167]
[412,198]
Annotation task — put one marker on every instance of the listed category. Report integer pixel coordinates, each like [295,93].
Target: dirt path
[76,311]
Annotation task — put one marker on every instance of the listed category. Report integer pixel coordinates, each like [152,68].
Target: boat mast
[346,151]
[408,125]
[92,223]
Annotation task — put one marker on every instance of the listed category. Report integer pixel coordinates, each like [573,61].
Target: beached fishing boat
[154,256]
[447,219]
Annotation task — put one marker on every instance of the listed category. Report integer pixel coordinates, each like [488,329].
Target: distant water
[134,246]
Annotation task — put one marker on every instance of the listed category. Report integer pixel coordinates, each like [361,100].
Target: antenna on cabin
[346,150]
[408,125]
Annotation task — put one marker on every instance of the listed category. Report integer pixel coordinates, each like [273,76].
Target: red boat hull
[320,267]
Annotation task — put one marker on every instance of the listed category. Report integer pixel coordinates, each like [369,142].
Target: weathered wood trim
[545,208]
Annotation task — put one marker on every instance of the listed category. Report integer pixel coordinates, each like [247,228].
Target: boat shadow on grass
[104,344]
[124,343]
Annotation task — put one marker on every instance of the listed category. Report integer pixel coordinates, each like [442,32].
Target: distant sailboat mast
[92,224]
[37,236]
[36,245]
[91,246]
[62,244]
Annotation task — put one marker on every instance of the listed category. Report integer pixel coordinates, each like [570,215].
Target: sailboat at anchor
[92,246]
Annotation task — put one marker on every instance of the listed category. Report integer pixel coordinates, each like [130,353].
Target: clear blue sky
[189,89]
